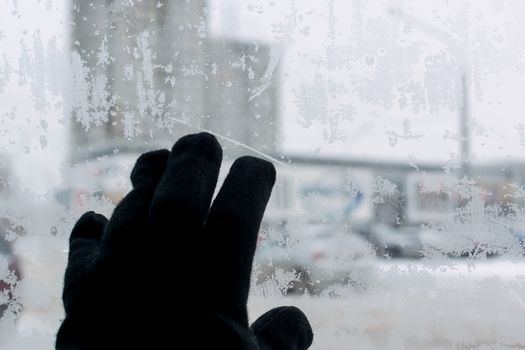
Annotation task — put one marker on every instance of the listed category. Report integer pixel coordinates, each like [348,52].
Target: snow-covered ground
[421,306]
[409,305]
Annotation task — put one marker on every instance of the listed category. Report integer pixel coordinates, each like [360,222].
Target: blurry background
[396,127]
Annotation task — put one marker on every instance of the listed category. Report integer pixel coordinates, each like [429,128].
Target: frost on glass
[397,220]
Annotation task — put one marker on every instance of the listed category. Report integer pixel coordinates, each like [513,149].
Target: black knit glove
[169,272]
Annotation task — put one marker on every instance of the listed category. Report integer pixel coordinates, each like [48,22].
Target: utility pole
[464,109]
[464,113]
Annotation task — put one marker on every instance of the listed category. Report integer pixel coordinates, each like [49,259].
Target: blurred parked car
[396,242]
[321,256]
[457,245]
[9,269]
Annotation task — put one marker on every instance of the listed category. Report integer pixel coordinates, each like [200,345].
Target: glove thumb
[283,328]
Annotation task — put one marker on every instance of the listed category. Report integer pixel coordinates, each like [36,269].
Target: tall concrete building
[150,73]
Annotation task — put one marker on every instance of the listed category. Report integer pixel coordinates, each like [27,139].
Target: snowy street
[411,305]
[450,307]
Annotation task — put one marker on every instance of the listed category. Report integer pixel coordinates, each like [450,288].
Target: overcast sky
[382,55]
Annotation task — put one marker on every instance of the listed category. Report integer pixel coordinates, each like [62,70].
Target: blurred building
[146,63]
[393,205]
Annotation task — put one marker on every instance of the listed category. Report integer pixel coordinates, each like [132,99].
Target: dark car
[9,274]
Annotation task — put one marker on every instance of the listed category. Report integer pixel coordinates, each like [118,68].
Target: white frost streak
[383,189]
[266,79]
[131,125]
[90,96]
[80,90]
[5,71]
[103,56]
[235,142]
[150,101]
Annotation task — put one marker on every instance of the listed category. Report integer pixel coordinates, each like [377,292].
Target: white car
[319,255]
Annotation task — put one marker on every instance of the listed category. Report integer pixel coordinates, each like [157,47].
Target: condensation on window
[398,217]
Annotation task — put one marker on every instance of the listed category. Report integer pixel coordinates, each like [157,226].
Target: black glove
[168,271]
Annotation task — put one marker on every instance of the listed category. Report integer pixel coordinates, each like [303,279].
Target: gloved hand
[168,271]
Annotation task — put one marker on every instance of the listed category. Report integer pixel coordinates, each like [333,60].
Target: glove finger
[89,228]
[84,247]
[182,199]
[129,217]
[283,328]
[231,232]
